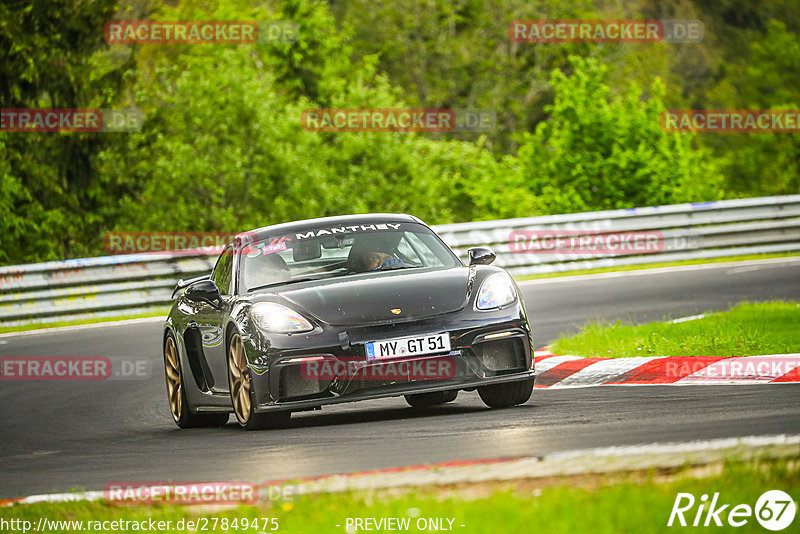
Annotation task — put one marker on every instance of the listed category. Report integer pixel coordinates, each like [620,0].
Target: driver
[368,253]
[372,261]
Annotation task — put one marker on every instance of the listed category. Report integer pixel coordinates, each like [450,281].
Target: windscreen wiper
[285,282]
[397,267]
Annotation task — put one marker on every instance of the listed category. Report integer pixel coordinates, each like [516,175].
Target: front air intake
[294,385]
[501,355]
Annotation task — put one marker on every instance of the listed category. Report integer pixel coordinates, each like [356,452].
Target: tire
[505,395]
[242,395]
[182,413]
[424,400]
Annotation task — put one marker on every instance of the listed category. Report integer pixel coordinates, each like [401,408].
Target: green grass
[748,329]
[161,312]
[596,504]
[622,268]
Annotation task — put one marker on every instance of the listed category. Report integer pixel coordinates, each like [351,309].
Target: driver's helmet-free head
[370,252]
[376,260]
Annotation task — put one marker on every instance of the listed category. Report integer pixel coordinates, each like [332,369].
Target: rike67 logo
[774,510]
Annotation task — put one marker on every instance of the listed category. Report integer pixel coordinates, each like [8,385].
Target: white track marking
[549,363]
[73,328]
[661,270]
[603,371]
[684,319]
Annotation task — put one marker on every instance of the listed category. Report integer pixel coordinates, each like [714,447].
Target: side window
[223,271]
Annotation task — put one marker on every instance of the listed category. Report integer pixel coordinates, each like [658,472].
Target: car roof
[324,222]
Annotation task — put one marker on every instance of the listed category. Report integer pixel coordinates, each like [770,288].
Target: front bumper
[486,349]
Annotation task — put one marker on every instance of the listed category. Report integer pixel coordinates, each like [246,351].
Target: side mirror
[481,256]
[203,291]
[184,283]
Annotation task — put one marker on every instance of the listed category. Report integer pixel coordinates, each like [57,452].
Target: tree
[223,148]
[762,163]
[52,55]
[598,151]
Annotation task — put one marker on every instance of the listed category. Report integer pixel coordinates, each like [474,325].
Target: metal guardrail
[93,287]
[689,231]
[128,284]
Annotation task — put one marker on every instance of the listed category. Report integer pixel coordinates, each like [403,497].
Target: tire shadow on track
[358,416]
[318,419]
[361,416]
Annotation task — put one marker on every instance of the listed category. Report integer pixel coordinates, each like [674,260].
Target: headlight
[273,317]
[497,290]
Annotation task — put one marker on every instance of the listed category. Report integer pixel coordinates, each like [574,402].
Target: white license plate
[408,346]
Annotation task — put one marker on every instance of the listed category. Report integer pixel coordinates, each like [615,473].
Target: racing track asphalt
[57,436]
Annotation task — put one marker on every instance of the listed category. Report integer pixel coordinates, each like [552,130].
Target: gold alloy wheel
[239,379]
[174,385]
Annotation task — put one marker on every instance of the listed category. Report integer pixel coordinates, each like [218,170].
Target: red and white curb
[578,462]
[554,371]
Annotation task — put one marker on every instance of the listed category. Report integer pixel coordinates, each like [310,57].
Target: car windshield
[330,252]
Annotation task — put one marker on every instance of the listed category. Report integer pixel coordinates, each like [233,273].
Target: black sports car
[295,316]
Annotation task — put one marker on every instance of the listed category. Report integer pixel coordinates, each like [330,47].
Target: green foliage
[457,54]
[14,226]
[222,147]
[762,163]
[598,151]
[53,56]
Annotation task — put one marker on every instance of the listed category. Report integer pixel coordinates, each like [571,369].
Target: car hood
[371,299]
